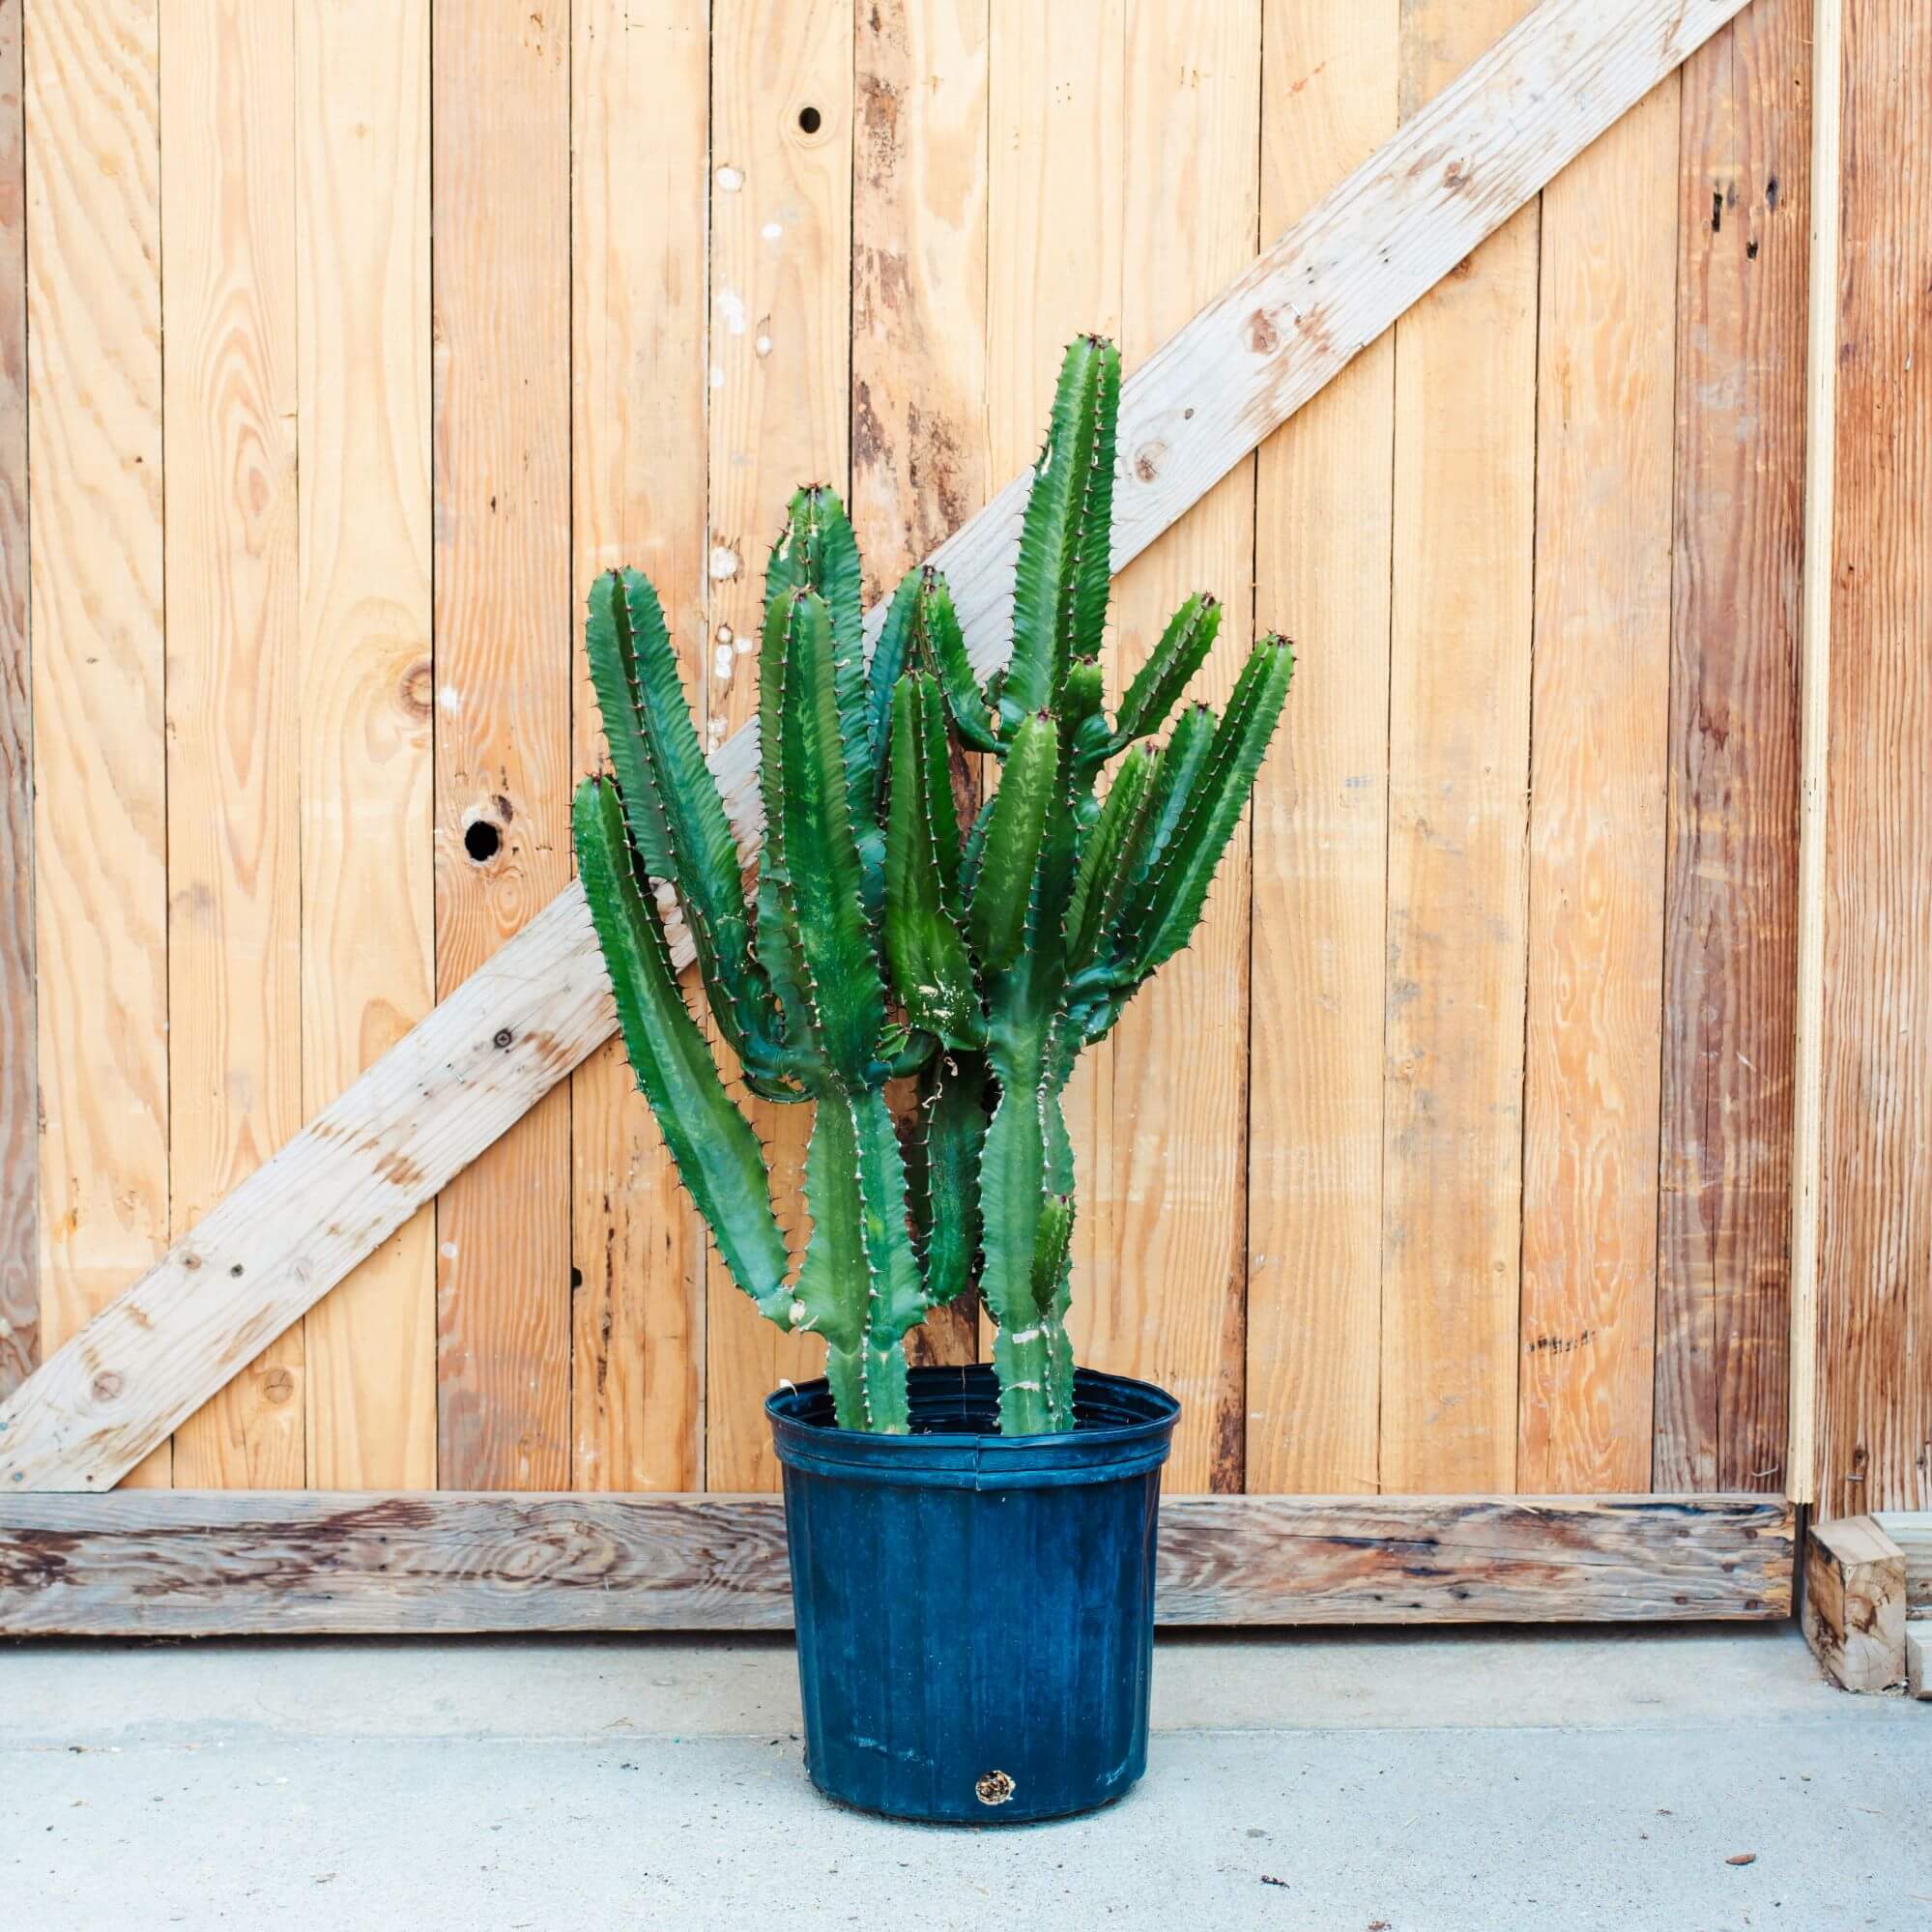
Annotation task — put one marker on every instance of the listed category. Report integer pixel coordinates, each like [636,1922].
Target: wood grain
[1912,1531]
[278,1241]
[1823,258]
[1324,494]
[501,176]
[1170,1301]
[1855,1591]
[368,963]
[94,320]
[920,461]
[638,497]
[1598,772]
[780,373]
[1205,398]
[1458,765]
[1055,231]
[204,1564]
[1730,896]
[1875,1259]
[20,1135]
[234,859]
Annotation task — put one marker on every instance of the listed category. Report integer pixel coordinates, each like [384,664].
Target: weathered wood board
[1731,881]
[638,489]
[208,1564]
[367,698]
[505,616]
[1874,1263]
[20,1137]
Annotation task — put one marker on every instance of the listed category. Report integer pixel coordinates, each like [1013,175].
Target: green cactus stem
[882,945]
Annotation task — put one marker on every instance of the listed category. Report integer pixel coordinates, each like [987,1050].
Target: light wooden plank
[362,141]
[235,888]
[920,460]
[278,1241]
[1055,231]
[1169,1298]
[94,318]
[1874,1411]
[1814,699]
[638,460]
[1458,779]
[1854,1602]
[553,968]
[20,1137]
[780,374]
[1325,491]
[500,126]
[210,1563]
[1730,893]
[1598,776]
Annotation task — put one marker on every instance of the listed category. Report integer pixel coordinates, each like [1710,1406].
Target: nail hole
[481,840]
[810,120]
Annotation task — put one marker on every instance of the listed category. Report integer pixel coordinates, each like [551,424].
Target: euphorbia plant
[880,943]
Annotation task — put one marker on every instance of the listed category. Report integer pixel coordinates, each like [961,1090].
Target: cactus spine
[881,944]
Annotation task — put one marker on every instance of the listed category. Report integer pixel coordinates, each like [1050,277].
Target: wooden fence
[340,344]
[345,342]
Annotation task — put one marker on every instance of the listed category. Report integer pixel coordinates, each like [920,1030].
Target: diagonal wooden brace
[1373,247]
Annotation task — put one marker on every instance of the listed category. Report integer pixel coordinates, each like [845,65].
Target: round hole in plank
[481,840]
[810,120]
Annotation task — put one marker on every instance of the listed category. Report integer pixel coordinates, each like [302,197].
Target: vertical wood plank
[1875,1262]
[234,857]
[920,464]
[361,140]
[93,361]
[1458,761]
[1730,906]
[20,1137]
[780,375]
[501,174]
[1325,487]
[1170,1302]
[638,459]
[1597,784]
[1055,214]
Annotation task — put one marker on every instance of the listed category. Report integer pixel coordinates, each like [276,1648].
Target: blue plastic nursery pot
[975,1611]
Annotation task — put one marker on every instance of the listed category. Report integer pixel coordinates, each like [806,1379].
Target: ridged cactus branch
[718,1157]
[883,946]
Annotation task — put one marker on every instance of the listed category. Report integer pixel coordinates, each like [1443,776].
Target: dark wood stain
[1731,882]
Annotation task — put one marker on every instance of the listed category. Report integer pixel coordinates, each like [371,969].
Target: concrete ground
[1316,1781]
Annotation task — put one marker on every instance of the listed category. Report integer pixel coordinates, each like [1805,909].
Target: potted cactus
[883,943]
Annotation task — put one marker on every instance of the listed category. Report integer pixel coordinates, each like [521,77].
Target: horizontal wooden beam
[224,1563]
[1375,246]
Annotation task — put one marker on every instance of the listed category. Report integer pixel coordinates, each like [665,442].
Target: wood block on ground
[1854,1602]
[1912,1531]
[1918,1658]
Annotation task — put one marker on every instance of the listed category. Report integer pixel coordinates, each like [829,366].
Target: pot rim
[1127,1430]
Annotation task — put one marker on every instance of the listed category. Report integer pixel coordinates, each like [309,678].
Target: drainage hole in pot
[994,1787]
